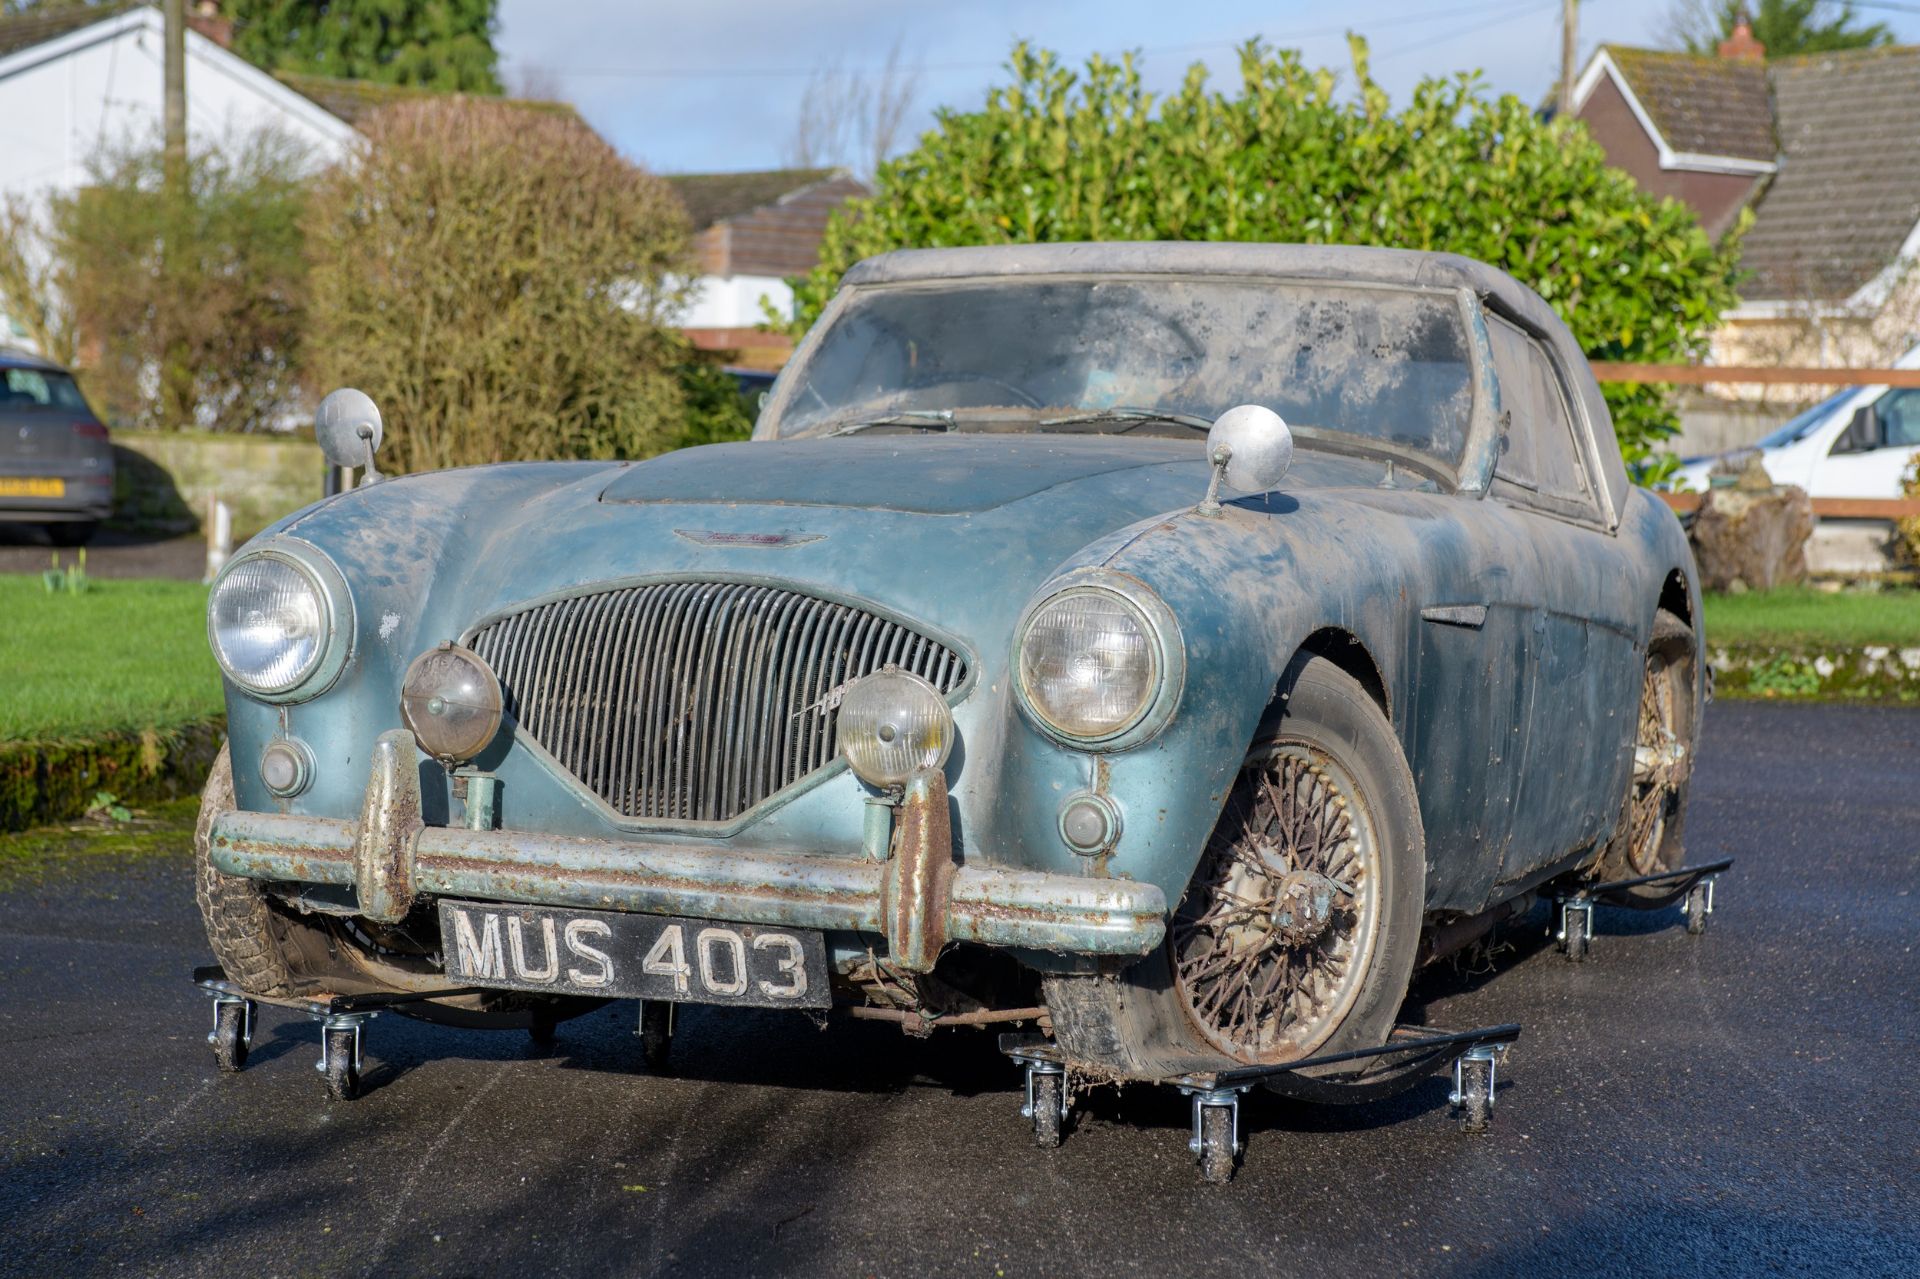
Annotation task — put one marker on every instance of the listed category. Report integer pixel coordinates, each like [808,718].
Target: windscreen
[1387,364]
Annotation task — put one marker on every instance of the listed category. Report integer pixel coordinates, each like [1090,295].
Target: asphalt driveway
[1734,1104]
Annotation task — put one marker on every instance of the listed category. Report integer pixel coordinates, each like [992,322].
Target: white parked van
[1859,443]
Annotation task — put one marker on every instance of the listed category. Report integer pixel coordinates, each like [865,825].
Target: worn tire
[241,926]
[656,1036]
[1046,1110]
[1217,1155]
[229,1038]
[1696,906]
[1134,1025]
[1476,1105]
[1672,658]
[343,1074]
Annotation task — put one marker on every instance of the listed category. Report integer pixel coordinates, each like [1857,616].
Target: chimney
[1741,46]
[206,20]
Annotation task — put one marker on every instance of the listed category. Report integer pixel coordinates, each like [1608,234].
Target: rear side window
[1540,453]
[39,389]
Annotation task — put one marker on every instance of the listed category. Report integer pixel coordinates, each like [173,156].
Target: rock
[1754,537]
[1754,477]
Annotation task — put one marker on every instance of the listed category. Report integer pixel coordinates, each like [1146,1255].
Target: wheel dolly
[1421,1050]
[342,1019]
[1691,886]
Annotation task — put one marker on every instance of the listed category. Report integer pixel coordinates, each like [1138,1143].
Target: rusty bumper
[919,897]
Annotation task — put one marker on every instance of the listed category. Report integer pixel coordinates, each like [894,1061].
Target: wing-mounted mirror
[1863,433]
[349,429]
[1251,449]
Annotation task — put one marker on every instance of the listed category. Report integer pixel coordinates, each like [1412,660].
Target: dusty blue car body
[1505,643]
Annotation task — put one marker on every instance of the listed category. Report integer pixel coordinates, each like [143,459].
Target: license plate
[620,956]
[14,486]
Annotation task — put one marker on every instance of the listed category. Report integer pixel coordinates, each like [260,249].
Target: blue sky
[713,84]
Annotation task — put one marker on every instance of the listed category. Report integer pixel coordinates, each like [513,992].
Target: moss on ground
[52,781]
[163,831]
[1818,673]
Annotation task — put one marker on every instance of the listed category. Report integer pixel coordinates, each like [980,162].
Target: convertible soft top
[1330,262]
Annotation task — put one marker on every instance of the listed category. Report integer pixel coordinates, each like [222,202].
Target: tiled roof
[715,197]
[353,100]
[24,30]
[1847,194]
[1702,105]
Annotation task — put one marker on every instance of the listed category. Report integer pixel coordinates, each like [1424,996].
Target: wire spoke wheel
[1656,769]
[1272,944]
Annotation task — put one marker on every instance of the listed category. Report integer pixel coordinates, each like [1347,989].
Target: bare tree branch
[852,119]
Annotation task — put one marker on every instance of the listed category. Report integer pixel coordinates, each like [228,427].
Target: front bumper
[919,897]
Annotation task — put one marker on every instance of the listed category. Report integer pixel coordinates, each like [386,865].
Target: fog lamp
[452,703]
[893,724]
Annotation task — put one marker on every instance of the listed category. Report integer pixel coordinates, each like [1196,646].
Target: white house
[67,94]
[74,83]
[751,232]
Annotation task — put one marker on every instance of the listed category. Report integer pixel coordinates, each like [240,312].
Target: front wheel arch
[1135,1023]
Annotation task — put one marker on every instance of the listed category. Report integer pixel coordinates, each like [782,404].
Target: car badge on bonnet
[719,537]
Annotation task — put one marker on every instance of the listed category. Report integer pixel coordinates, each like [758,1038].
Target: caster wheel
[232,1034]
[1576,933]
[1216,1145]
[340,1064]
[656,1036]
[1699,908]
[541,1030]
[1475,1097]
[1046,1110]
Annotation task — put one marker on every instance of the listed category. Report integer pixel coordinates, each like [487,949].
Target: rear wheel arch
[1676,598]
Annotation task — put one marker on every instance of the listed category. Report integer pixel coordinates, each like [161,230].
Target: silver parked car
[56,467]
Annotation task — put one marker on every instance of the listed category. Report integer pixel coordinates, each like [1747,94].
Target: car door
[1873,466]
[1572,585]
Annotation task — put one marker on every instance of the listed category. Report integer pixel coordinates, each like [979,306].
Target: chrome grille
[694,700]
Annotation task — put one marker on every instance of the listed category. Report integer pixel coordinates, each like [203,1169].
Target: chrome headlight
[280,622]
[1100,662]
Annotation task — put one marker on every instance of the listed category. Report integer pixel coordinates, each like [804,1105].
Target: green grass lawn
[123,655]
[1797,616]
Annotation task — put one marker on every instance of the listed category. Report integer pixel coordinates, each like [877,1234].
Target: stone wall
[166,479]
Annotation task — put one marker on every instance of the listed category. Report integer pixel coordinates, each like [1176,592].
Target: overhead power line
[728,73]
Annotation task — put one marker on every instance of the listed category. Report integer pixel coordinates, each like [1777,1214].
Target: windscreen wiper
[1132,415]
[925,419]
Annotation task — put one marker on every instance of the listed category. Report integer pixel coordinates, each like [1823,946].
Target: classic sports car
[1000,676]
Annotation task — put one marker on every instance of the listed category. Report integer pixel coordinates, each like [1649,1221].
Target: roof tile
[1702,105]
[1848,191]
[716,197]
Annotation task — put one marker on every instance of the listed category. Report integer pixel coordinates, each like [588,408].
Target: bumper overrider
[919,897]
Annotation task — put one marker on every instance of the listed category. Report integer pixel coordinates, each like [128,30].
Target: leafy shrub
[1784,676]
[1056,155]
[717,410]
[197,305]
[1907,530]
[498,280]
